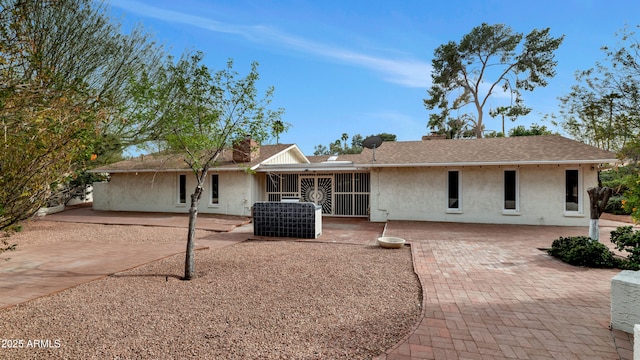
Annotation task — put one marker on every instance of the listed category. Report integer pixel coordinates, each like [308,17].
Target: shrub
[620,180]
[625,239]
[614,206]
[583,251]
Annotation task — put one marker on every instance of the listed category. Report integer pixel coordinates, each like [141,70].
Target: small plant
[625,239]
[583,251]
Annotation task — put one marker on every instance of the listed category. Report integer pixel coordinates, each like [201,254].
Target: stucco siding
[421,194]
[158,192]
[235,195]
[137,192]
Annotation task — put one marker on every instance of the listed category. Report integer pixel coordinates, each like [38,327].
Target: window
[511,190]
[453,185]
[182,189]
[214,189]
[572,191]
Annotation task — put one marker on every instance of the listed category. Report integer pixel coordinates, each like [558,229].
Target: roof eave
[495,163]
[123,171]
[326,166]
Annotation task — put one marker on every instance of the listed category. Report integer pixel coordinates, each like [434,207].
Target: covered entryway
[339,194]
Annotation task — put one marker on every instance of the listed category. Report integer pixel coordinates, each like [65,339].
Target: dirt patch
[251,300]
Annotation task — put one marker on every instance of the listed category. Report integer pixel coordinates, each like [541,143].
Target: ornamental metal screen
[339,194]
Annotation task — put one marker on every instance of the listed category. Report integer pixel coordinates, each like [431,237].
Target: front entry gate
[339,194]
[318,190]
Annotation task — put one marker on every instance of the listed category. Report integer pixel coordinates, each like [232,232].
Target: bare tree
[199,114]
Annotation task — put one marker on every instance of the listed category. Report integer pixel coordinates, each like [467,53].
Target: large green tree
[198,114]
[602,108]
[63,67]
[488,60]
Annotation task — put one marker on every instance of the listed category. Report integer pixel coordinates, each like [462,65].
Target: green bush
[583,251]
[619,180]
[614,206]
[625,239]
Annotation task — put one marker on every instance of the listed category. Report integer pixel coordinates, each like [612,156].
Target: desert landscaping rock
[256,299]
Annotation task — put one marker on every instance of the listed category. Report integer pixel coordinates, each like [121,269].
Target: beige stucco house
[537,180]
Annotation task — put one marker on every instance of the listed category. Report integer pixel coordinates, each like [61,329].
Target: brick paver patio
[490,293]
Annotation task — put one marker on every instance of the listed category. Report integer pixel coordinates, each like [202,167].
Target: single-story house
[536,180]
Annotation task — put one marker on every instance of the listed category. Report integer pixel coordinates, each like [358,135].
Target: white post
[636,342]
[594,230]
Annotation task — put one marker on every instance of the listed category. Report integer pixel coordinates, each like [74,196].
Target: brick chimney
[246,150]
[434,136]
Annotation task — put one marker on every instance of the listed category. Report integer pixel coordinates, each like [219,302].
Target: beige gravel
[253,300]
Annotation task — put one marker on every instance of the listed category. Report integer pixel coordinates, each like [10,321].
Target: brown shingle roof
[510,150]
[175,162]
[492,151]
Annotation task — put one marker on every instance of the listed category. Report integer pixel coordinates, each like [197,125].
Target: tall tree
[605,105]
[199,113]
[602,108]
[595,118]
[490,59]
[63,66]
[459,127]
[505,111]
[278,128]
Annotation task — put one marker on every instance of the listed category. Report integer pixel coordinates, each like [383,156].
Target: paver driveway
[490,293]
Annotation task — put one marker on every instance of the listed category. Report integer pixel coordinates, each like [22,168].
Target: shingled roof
[550,149]
[520,150]
[175,162]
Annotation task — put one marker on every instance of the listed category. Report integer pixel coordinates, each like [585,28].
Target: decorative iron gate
[318,190]
[339,194]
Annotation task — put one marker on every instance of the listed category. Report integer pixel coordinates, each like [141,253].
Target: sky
[364,67]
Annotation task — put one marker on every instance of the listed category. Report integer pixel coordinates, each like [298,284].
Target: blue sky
[364,66]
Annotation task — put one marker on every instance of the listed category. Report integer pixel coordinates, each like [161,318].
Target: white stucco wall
[625,309]
[396,194]
[158,192]
[421,194]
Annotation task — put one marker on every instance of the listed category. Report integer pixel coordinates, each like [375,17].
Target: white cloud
[405,72]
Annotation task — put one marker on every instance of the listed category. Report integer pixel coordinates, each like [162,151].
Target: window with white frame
[511,203]
[572,190]
[182,189]
[215,195]
[453,190]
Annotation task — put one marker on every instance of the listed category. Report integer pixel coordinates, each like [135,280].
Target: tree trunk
[598,198]
[189,267]
[479,121]
[594,229]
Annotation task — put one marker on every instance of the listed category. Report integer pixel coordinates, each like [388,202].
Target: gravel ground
[49,233]
[253,300]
